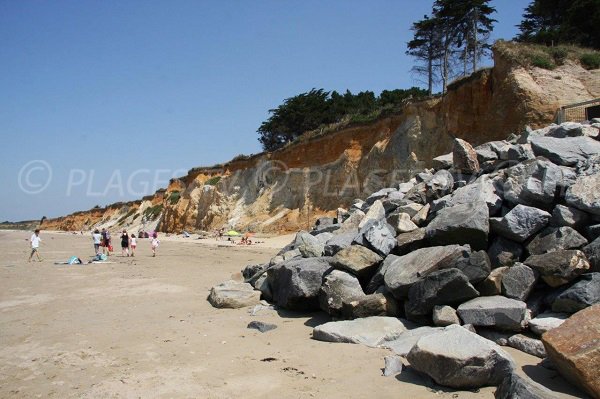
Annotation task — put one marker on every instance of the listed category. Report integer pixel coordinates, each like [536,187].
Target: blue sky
[105,100]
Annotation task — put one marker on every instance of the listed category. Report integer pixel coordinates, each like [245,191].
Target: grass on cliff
[545,57]
[174,197]
[213,181]
[153,212]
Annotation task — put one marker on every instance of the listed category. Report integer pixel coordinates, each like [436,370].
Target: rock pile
[503,236]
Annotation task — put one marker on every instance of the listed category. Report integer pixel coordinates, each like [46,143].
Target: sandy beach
[142,328]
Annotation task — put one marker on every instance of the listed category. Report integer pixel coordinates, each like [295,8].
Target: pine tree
[425,47]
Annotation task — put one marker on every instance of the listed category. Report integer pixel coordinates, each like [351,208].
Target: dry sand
[142,328]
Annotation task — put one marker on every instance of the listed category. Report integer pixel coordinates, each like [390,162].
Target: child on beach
[97,237]
[133,244]
[35,245]
[155,243]
[124,243]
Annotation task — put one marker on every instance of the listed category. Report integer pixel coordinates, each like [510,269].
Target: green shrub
[213,181]
[559,54]
[174,197]
[542,61]
[153,212]
[590,60]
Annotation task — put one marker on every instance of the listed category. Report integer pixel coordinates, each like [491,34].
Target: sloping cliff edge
[289,189]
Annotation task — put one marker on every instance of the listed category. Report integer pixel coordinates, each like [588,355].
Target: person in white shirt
[35,245]
[97,237]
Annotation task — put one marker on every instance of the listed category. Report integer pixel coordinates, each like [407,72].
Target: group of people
[103,245]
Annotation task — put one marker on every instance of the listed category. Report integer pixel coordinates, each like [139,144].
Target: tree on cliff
[553,22]
[426,48]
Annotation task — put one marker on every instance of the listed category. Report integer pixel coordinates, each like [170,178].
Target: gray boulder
[547,321]
[460,224]
[439,185]
[338,288]
[515,386]
[375,213]
[567,151]
[458,358]
[444,316]
[403,343]
[504,252]
[308,245]
[476,266]
[559,267]
[584,194]
[357,260]
[555,238]
[443,161]
[412,209]
[262,284]
[442,287]
[526,344]
[295,284]
[407,242]
[494,311]
[233,294]
[593,233]
[403,271]
[370,305]
[464,157]
[492,284]
[520,223]
[379,195]
[370,331]
[568,216]
[338,242]
[532,183]
[324,237]
[518,282]
[381,237]
[393,365]
[482,190]
[401,222]
[584,293]
[592,251]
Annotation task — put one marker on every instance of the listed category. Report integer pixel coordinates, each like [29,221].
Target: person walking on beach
[155,243]
[35,245]
[133,244]
[97,237]
[124,243]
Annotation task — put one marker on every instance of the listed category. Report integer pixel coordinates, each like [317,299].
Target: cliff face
[288,189]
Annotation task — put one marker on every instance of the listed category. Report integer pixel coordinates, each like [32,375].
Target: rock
[547,321]
[412,209]
[515,386]
[381,237]
[494,311]
[476,266]
[574,349]
[518,281]
[370,331]
[567,151]
[520,223]
[403,271]
[593,232]
[294,253]
[559,267]
[261,326]
[403,343]
[406,186]
[443,161]
[444,316]
[262,284]
[393,366]
[421,216]
[568,216]
[338,288]
[439,185]
[338,242]
[519,152]
[469,327]
[401,223]
[498,337]
[233,294]
[532,183]
[566,129]
[482,190]
[584,293]
[532,346]
[492,285]
[324,237]
[504,252]
[464,157]
[457,358]
[584,194]
[555,238]
[485,153]
[592,251]
[442,287]
[308,245]
[417,194]
[329,229]
[357,260]
[379,195]
[375,213]
[296,283]
[460,224]
[369,305]
[352,222]
[407,242]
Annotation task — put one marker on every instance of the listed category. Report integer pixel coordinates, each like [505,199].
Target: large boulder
[308,245]
[520,223]
[442,287]
[408,242]
[492,284]
[494,311]
[458,358]
[375,213]
[584,293]
[444,315]
[370,331]
[526,344]
[555,238]
[476,266]
[402,222]
[338,242]
[403,343]
[545,322]
[370,305]
[403,271]
[568,216]
[464,157]
[559,267]
[518,282]
[443,161]
[381,237]
[565,151]
[233,294]
[439,185]
[532,183]
[460,224]
[585,193]
[482,190]
[357,260]
[574,349]
[592,251]
[515,386]
[338,288]
[295,284]
[504,252]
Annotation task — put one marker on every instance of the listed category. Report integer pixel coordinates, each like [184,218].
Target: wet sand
[142,328]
